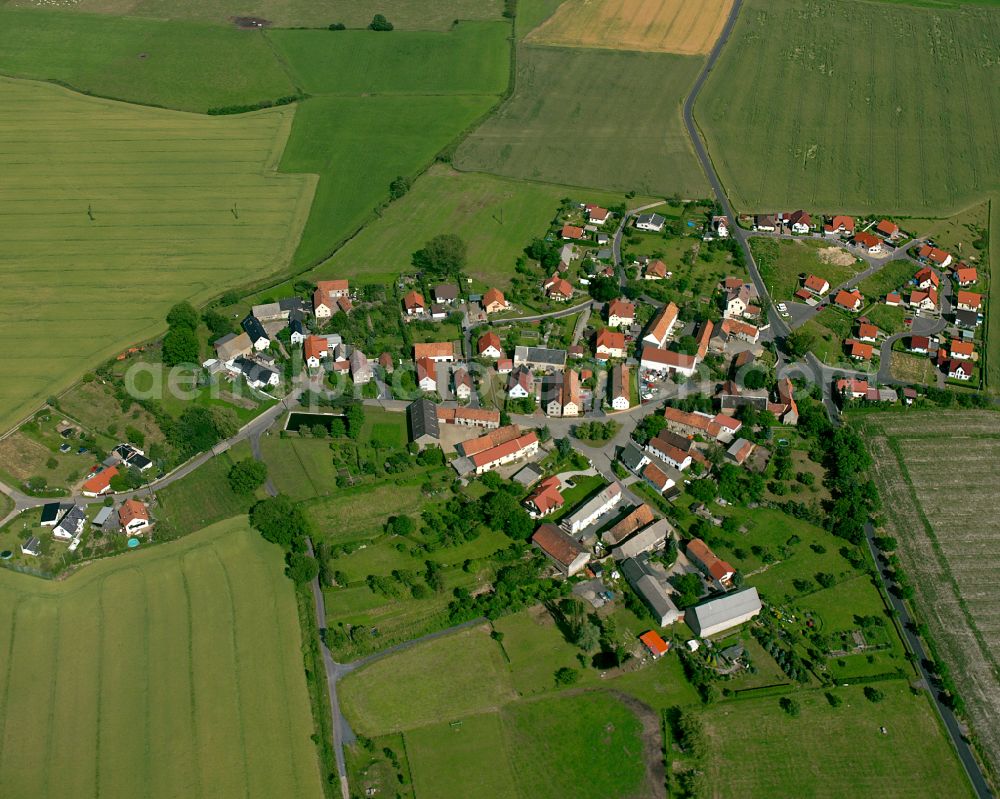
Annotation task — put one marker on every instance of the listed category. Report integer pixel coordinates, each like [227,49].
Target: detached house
[849,300]
[661,327]
[766,223]
[717,570]
[545,499]
[858,350]
[839,224]
[572,233]
[133,516]
[651,222]
[315,350]
[494,301]
[867,332]
[934,255]
[869,243]
[100,483]
[920,344]
[414,304]
[888,229]
[489,346]
[437,351]
[558,289]
[597,215]
[609,344]
[426,374]
[255,331]
[961,350]
[446,293]
[966,275]
[958,370]
[462,382]
[71,524]
[655,270]
[927,278]
[521,383]
[968,301]
[923,300]
[799,221]
[621,313]
[816,285]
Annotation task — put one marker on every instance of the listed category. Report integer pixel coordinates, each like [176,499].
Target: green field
[112,213]
[472,58]
[404,14]
[832,752]
[783,261]
[853,106]
[496,217]
[574,119]
[202,497]
[188,66]
[170,672]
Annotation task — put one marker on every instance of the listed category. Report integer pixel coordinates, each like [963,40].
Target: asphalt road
[963,749]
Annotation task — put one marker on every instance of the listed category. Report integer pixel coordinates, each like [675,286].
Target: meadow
[891,107]
[404,14]
[783,261]
[673,26]
[113,213]
[936,472]
[183,65]
[563,126]
[756,749]
[496,217]
[187,653]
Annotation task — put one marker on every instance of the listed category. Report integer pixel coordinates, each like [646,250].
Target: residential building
[558,289]
[591,510]
[621,313]
[609,344]
[739,451]
[736,330]
[718,571]
[539,358]
[961,350]
[923,300]
[50,514]
[545,499]
[651,589]
[568,556]
[858,350]
[662,325]
[296,330]
[446,293]
[839,224]
[633,457]
[853,388]
[655,270]
[724,613]
[739,299]
[654,644]
[257,375]
[361,369]
[133,516]
[71,524]
[646,540]
[489,346]
[888,229]
[720,426]
[437,351]
[765,223]
[966,275]
[462,382]
[927,278]
[620,388]
[100,483]
[231,346]
[572,405]
[651,222]
[426,375]
[934,255]
[414,304]
[280,310]
[494,301]
[849,300]
[597,215]
[469,417]
[572,232]
[869,243]
[663,449]
[32,547]
[920,344]
[668,362]
[968,301]
[661,477]
[255,330]
[788,411]
[315,350]
[958,369]
[521,383]
[799,221]
[721,226]
[893,299]
[968,319]
[867,332]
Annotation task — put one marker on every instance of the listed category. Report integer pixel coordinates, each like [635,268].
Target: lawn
[783,262]
[187,653]
[404,14]
[887,318]
[300,467]
[913,368]
[471,58]
[467,758]
[160,200]
[756,749]
[829,328]
[440,680]
[201,498]
[496,217]
[184,65]
[563,126]
[847,140]
[894,275]
[371,504]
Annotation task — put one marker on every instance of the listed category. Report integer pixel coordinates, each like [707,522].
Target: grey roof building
[102,516]
[539,357]
[633,457]
[649,538]
[528,475]
[254,329]
[724,613]
[32,547]
[650,589]
[50,514]
[422,418]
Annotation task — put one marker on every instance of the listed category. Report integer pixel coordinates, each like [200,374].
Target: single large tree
[443,257]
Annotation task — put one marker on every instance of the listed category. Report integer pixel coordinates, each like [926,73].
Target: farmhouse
[869,243]
[426,374]
[469,417]
[968,301]
[724,613]
[414,304]
[545,499]
[661,327]
[668,361]
[231,346]
[850,300]
[558,289]
[739,451]
[650,588]
[133,516]
[786,409]
[524,446]
[255,330]
[494,301]
[620,391]
[489,346]
[646,540]
[591,510]
[100,483]
[638,517]
[839,224]
[651,222]
[280,310]
[720,426]
[888,229]
[934,255]
[437,351]
[816,285]
[539,358]
[609,344]
[568,556]
[717,570]
[621,313]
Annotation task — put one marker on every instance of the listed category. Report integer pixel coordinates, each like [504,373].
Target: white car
[782,307]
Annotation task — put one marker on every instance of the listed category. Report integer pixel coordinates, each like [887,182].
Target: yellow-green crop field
[110,213]
[163,673]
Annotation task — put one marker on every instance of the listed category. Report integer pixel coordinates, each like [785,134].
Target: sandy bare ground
[938,486]
[836,255]
[688,27]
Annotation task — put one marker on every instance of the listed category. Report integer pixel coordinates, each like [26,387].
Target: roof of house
[893,296]
[610,339]
[887,228]
[966,274]
[969,298]
[657,268]
[668,358]
[426,369]
[494,454]
[632,455]
[558,545]
[736,327]
[596,212]
[765,220]
[620,381]
[848,299]
[489,339]
[132,510]
[867,330]
[816,283]
[726,608]
[654,643]
[623,309]
[799,217]
[867,240]
[540,355]
[423,419]
[919,343]
[714,565]
[572,232]
[859,349]
[966,348]
[647,539]
[546,496]
[852,385]
[50,512]
[740,449]
[636,519]
[231,345]
[434,349]
[954,366]
[100,481]
[933,254]
[493,295]
[332,286]
[927,274]
[556,285]
[252,327]
[669,450]
[461,377]
[445,292]
[664,320]
[414,300]
[845,222]
[489,440]
[642,578]
[650,219]
[597,501]
[315,347]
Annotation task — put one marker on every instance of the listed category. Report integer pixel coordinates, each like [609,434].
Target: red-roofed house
[133,516]
[572,232]
[621,313]
[315,349]
[437,351]
[887,228]
[816,285]
[720,572]
[655,270]
[666,451]
[926,278]
[661,327]
[545,499]
[853,387]
[489,345]
[920,344]
[961,350]
[741,331]
[933,254]
[427,374]
[857,350]
[414,304]
[558,289]
[800,221]
[609,344]
[892,299]
[561,548]
[968,300]
[100,483]
[871,244]
[923,300]
[657,646]
[958,369]
[657,360]
[597,215]
[867,332]
[839,224]
[966,275]
[494,301]
[850,300]
[521,447]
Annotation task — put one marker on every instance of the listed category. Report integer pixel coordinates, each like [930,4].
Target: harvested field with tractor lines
[659,26]
[174,671]
[937,473]
[855,106]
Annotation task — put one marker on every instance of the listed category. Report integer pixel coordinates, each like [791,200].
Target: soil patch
[836,256]
[251,23]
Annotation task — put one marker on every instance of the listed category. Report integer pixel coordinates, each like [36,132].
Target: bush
[790,706]
[301,567]
[566,676]
[873,694]
[337,26]
[246,476]
[380,23]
